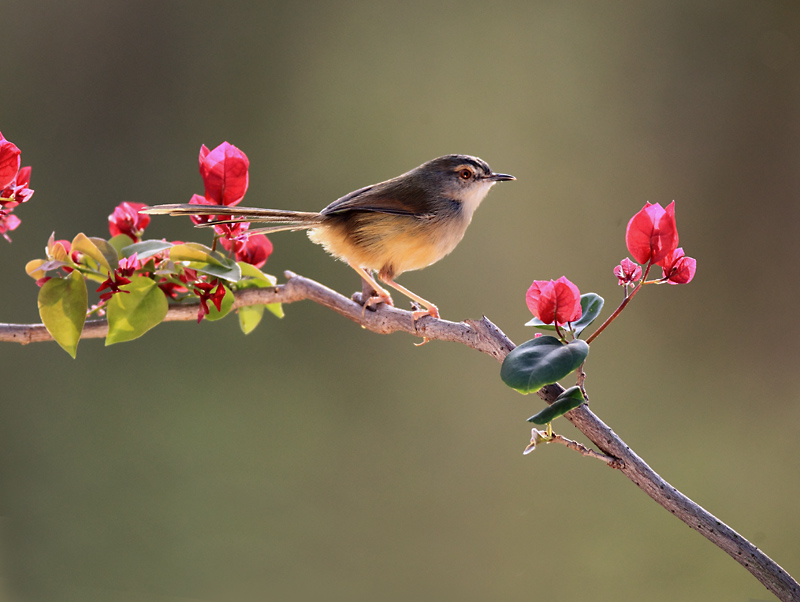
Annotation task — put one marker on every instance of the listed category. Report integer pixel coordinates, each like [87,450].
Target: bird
[406,223]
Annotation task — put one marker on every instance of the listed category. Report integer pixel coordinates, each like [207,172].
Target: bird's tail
[279,219]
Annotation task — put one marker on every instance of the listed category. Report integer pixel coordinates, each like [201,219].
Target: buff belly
[390,244]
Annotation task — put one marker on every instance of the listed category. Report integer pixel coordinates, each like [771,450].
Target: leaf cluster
[143,279]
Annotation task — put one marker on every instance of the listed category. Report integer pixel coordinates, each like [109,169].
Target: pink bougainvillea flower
[128,265]
[8,222]
[254,250]
[13,186]
[9,161]
[233,232]
[627,272]
[225,174]
[652,233]
[678,269]
[17,191]
[126,219]
[198,199]
[554,301]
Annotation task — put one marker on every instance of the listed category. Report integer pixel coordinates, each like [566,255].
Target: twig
[484,336]
[585,451]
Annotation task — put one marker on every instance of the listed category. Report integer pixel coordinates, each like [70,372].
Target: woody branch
[482,335]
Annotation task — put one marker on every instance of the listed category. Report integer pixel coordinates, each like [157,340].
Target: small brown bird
[403,224]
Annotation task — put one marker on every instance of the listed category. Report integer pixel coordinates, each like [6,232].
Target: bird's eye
[465,174]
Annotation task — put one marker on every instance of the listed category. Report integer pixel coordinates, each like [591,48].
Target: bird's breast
[390,243]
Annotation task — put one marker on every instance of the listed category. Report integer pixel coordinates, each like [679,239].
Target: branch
[484,336]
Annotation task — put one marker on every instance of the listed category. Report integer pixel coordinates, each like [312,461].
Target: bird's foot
[372,301]
[431,311]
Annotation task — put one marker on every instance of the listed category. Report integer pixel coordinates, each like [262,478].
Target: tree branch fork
[482,335]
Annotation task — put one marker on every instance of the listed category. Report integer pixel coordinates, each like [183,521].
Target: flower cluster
[114,263]
[225,178]
[137,280]
[14,182]
[652,239]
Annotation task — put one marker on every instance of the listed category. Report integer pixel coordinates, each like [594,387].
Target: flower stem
[622,305]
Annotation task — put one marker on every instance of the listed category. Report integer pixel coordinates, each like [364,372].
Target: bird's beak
[501,177]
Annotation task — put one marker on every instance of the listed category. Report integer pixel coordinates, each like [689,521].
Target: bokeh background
[314,460]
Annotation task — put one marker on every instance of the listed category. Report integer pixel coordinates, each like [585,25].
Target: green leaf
[591,306]
[568,400]
[231,272]
[201,258]
[62,307]
[541,361]
[119,242]
[249,270]
[88,247]
[537,323]
[225,306]
[132,313]
[108,251]
[249,317]
[192,251]
[259,279]
[146,248]
[276,309]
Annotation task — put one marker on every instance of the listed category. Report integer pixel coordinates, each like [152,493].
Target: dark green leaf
[132,313]
[568,400]
[62,306]
[541,361]
[591,306]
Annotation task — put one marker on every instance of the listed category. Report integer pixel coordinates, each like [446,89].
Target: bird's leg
[430,308]
[370,300]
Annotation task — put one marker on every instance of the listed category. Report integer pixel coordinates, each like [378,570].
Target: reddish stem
[622,305]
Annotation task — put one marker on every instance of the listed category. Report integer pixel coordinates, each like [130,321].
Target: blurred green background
[314,460]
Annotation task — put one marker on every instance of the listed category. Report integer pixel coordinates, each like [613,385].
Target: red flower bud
[224,173]
[627,272]
[554,301]
[652,233]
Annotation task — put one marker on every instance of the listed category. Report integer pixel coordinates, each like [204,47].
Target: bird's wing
[392,197]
